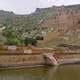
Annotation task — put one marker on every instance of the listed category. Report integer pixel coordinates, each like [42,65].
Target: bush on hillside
[31,41]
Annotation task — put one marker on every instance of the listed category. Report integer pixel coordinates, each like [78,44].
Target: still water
[65,72]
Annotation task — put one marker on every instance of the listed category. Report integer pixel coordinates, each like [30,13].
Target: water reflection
[66,72]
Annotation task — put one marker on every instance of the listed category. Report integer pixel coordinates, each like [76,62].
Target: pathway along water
[63,72]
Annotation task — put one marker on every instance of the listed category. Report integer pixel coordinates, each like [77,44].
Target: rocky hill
[64,28]
[57,24]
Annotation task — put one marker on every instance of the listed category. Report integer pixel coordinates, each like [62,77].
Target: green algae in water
[64,72]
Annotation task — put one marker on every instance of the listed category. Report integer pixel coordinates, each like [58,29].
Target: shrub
[39,38]
[31,41]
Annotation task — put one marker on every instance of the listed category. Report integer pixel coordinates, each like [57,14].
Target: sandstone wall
[20,60]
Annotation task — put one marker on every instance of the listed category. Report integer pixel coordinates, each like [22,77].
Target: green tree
[31,41]
[12,38]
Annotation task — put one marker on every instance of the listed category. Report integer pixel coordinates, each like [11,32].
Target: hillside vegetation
[49,26]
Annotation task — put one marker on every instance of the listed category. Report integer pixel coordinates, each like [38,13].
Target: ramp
[50,59]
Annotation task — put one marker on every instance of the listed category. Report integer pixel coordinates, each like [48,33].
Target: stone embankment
[12,56]
[62,58]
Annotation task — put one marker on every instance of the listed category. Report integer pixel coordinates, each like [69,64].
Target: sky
[29,6]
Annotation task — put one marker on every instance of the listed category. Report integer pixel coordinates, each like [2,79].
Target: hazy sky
[28,6]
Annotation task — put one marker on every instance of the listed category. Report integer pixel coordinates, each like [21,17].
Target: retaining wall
[20,60]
